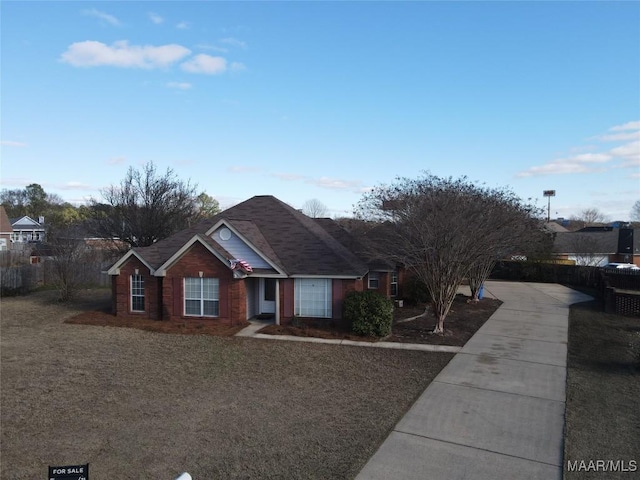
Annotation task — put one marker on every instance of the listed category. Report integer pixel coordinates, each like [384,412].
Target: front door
[268,295]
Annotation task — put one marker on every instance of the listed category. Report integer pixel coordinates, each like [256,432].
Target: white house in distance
[26,229]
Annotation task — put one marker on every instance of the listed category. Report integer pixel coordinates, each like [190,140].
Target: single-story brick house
[259,257]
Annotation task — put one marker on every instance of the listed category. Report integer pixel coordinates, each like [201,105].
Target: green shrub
[368,313]
[415,291]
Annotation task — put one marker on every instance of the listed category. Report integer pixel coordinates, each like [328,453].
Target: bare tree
[70,257]
[440,228]
[145,207]
[589,217]
[314,208]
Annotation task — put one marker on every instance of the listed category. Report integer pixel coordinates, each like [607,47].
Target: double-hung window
[137,293]
[313,297]
[394,284]
[374,280]
[202,297]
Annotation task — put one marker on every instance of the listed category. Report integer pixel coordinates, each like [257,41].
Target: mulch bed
[464,319]
[188,327]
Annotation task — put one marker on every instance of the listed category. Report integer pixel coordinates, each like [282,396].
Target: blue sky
[324,100]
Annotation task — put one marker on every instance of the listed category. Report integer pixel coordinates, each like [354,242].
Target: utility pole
[549,194]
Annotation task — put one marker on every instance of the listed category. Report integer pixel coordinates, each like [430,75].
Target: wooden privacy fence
[24,278]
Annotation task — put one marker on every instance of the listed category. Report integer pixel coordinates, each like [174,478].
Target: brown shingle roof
[290,239]
[604,242]
[5,223]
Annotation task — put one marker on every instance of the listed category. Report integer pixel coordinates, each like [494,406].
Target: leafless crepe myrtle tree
[443,229]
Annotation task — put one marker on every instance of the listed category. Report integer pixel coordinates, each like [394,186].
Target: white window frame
[394,283]
[136,286]
[373,282]
[212,295]
[313,297]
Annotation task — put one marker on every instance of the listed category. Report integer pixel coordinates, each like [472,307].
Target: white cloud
[11,143]
[206,64]
[110,19]
[325,182]
[155,18]
[288,177]
[617,137]
[628,131]
[74,186]
[589,158]
[631,150]
[179,85]
[234,42]
[559,167]
[121,54]
[622,156]
[183,25]
[626,126]
[116,160]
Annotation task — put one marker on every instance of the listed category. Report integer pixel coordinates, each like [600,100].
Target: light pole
[549,194]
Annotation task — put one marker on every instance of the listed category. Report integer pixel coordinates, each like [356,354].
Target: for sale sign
[69,472]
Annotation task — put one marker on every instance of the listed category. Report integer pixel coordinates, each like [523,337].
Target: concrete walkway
[497,409]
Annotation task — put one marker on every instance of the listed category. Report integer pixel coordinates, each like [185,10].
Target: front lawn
[144,405]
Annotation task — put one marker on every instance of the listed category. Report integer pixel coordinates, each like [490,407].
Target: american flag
[239,264]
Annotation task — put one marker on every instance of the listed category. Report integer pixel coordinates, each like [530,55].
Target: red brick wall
[233,295]
[121,294]
[339,289]
[286,300]
[384,283]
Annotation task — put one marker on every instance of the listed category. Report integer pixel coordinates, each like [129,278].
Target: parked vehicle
[619,266]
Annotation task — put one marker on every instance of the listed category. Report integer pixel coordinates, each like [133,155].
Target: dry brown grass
[136,404]
[603,388]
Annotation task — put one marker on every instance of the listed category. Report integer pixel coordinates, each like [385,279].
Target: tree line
[146,206]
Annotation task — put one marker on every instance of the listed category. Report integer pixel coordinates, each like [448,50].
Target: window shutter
[336,295]
[287,297]
[223,296]
[177,297]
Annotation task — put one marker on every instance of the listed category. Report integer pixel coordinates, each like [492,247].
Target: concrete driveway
[497,409]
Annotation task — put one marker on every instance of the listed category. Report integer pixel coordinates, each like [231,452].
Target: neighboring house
[597,246]
[26,229]
[260,257]
[6,230]
[554,226]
